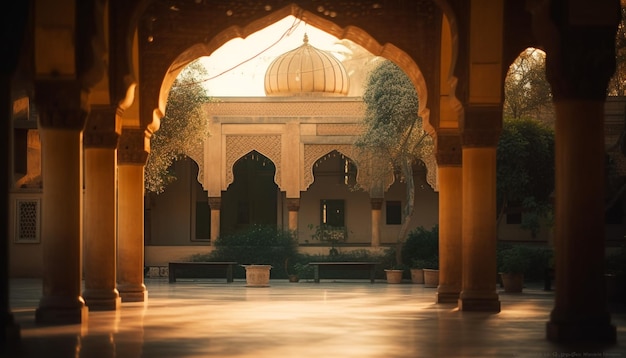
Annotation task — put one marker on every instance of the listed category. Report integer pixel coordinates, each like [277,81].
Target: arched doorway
[252,197]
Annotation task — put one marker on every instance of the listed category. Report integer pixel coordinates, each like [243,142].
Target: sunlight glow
[238,67]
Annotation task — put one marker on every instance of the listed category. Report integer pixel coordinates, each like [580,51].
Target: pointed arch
[237,146]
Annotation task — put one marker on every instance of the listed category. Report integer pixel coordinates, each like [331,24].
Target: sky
[238,67]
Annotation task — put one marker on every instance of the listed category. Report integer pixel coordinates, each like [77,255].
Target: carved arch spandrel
[313,152]
[238,146]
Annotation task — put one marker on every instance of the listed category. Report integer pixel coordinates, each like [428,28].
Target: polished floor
[329,319]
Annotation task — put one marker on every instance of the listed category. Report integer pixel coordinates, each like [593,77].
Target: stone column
[479,136]
[100,230]
[450,176]
[131,156]
[61,123]
[580,44]
[215,203]
[293,206]
[377,205]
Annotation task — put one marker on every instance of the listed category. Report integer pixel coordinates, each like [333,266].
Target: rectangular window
[332,213]
[394,212]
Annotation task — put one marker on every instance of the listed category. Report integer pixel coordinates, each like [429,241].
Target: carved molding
[448,148]
[215,202]
[293,204]
[103,128]
[313,152]
[60,104]
[377,203]
[239,145]
[133,147]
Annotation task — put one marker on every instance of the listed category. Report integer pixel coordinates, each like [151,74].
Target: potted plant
[293,277]
[421,250]
[257,275]
[430,267]
[394,274]
[513,261]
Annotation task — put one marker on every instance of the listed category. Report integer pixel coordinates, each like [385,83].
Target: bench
[174,268]
[355,265]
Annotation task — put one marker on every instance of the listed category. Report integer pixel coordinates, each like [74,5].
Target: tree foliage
[617,85]
[526,90]
[525,170]
[393,129]
[183,128]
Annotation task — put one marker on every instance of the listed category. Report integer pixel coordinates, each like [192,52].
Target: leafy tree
[527,92]
[394,131]
[617,85]
[525,170]
[183,128]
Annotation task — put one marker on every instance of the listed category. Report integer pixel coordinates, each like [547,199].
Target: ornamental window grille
[28,220]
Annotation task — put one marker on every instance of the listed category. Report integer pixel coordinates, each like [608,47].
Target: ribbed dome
[306,70]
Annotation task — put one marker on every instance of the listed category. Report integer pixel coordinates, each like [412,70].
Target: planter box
[512,282]
[257,275]
[394,276]
[417,276]
[431,278]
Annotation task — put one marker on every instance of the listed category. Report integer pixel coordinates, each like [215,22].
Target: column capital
[293,204]
[481,126]
[377,203]
[103,128]
[133,147]
[60,104]
[215,202]
[448,147]
[579,40]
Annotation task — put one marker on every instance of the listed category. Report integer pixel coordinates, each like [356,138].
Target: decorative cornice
[133,147]
[481,126]
[293,204]
[448,148]
[215,202]
[103,128]
[377,203]
[60,104]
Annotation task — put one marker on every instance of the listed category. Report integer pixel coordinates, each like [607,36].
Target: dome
[306,70]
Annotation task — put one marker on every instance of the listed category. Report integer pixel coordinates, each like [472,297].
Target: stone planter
[417,275]
[512,282]
[394,276]
[431,278]
[257,275]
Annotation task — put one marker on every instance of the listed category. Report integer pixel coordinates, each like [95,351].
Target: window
[394,212]
[332,213]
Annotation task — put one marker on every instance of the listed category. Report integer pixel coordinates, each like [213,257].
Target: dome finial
[306,38]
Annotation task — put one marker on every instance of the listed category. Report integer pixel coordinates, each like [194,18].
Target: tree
[526,90]
[393,131]
[183,128]
[525,171]
[617,85]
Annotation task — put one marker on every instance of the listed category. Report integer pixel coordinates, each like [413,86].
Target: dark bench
[354,265]
[226,266]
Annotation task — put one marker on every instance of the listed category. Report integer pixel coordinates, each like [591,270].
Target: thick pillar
[293,206]
[215,203]
[100,229]
[61,124]
[479,139]
[131,157]
[579,39]
[450,176]
[377,206]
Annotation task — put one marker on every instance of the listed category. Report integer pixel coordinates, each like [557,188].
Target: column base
[479,305]
[61,310]
[581,333]
[133,293]
[447,297]
[102,300]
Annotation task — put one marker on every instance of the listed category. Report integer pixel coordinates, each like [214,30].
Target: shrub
[421,245]
[258,244]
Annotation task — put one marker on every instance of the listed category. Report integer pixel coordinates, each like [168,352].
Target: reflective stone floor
[330,319]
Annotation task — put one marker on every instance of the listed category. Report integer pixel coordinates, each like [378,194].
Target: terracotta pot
[512,282]
[394,276]
[417,275]
[294,278]
[431,278]
[257,275]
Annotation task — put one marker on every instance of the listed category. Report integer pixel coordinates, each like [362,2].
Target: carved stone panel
[237,146]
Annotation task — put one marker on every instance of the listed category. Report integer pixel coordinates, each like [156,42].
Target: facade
[99,73]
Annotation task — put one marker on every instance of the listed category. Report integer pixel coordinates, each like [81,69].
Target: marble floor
[205,318]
